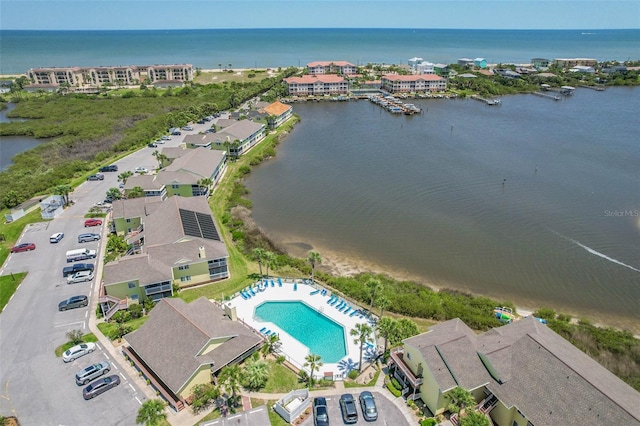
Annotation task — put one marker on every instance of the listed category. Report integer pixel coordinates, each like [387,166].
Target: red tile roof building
[331,67]
[413,83]
[317,85]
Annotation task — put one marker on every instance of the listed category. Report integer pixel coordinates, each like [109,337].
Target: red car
[23,247]
[92,222]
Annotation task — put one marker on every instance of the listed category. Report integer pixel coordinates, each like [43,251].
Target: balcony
[397,358]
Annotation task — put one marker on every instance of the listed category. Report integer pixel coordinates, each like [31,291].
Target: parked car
[97,176]
[152,145]
[211,130]
[320,414]
[80,277]
[91,372]
[187,128]
[201,121]
[176,132]
[73,302]
[83,238]
[100,386]
[23,247]
[166,138]
[368,406]
[55,238]
[348,409]
[77,351]
[141,170]
[159,142]
[92,222]
[76,267]
[110,168]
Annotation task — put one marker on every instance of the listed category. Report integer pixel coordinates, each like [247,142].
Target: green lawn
[10,232]
[107,328]
[90,337]
[281,379]
[8,286]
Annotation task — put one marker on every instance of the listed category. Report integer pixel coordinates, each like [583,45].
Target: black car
[73,302]
[348,408]
[368,406]
[111,168]
[152,145]
[320,414]
[100,386]
[76,267]
[97,176]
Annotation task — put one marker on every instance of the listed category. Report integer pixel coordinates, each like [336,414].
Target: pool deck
[295,351]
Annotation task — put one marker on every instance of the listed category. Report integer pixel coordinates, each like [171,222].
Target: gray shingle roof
[201,162]
[543,375]
[135,207]
[176,333]
[241,130]
[139,267]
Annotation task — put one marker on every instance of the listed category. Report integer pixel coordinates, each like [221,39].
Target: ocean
[534,201]
[270,48]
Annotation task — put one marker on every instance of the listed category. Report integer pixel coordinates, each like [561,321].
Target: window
[131,284]
[134,297]
[174,186]
[408,355]
[183,267]
[128,220]
[185,279]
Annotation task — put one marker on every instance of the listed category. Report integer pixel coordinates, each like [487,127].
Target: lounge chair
[314,292]
[253,293]
[353,313]
[279,282]
[346,311]
[247,294]
[295,286]
[335,301]
[341,304]
[263,329]
[323,292]
[273,284]
[268,332]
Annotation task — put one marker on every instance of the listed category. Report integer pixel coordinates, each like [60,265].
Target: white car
[78,351]
[141,170]
[80,277]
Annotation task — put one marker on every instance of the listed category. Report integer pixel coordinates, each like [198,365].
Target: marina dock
[487,101]
[548,95]
[394,105]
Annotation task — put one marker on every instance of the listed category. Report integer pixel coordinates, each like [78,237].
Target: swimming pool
[320,334]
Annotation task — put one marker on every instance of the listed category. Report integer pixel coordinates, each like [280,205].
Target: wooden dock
[548,96]
[487,101]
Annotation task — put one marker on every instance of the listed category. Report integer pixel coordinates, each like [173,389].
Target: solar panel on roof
[198,225]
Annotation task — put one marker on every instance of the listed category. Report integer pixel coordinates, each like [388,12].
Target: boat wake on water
[595,252]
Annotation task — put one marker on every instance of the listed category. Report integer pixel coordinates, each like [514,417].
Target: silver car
[77,351]
[100,386]
[92,371]
[80,277]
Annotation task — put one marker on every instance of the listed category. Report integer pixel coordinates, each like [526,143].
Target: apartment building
[413,83]
[331,67]
[317,85]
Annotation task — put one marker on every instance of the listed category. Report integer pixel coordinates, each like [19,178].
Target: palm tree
[230,65]
[314,363]
[383,302]
[272,342]
[459,398]
[374,286]
[151,413]
[314,259]
[387,328]
[269,260]
[256,374]
[63,190]
[474,418]
[361,332]
[231,377]
[220,66]
[135,192]
[258,255]
[160,157]
[234,147]
[205,183]
[406,328]
[122,177]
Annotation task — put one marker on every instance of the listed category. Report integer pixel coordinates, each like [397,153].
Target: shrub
[244,169]
[396,384]
[74,336]
[393,390]
[135,311]
[428,422]
[353,374]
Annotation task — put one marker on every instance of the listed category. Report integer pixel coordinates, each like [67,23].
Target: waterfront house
[480,63]
[277,113]
[572,62]
[413,83]
[541,63]
[174,242]
[183,345]
[331,67]
[309,85]
[184,175]
[583,69]
[442,70]
[519,374]
[465,62]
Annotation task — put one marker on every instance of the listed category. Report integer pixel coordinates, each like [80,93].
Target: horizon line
[323,28]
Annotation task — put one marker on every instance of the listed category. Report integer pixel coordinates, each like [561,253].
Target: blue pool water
[320,334]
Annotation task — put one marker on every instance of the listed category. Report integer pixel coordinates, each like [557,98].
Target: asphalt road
[35,385]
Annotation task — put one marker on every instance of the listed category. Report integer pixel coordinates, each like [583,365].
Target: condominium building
[331,67]
[413,83]
[97,76]
[572,62]
[317,85]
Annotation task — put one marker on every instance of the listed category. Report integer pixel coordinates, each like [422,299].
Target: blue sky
[178,14]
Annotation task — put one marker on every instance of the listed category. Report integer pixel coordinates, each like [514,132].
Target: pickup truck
[76,267]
